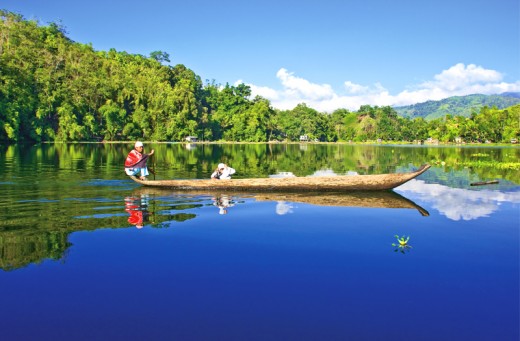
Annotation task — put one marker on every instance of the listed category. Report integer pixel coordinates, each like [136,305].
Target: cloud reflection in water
[458,203]
[283,208]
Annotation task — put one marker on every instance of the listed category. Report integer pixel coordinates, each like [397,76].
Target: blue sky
[328,54]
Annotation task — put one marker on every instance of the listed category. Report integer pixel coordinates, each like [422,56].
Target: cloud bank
[458,80]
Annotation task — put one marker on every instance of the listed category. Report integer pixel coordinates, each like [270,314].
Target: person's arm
[142,162]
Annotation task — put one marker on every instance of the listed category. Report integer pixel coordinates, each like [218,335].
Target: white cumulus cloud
[458,80]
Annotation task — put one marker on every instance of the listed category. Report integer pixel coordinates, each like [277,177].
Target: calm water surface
[87,254]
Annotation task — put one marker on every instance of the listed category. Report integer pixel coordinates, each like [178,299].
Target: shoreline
[384,143]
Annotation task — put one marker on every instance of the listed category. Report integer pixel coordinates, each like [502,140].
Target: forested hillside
[458,105]
[55,89]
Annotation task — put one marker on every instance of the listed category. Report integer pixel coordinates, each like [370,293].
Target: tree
[160,56]
[337,119]
[114,119]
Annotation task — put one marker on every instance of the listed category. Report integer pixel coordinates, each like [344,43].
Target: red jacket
[136,217]
[136,159]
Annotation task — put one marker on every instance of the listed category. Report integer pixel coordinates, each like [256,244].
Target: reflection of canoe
[374,182]
[381,199]
[374,199]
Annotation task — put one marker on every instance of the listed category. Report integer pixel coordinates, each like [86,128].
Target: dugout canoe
[373,182]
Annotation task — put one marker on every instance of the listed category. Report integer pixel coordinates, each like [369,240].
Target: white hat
[138,144]
[221,165]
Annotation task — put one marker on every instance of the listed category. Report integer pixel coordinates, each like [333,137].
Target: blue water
[87,254]
[311,273]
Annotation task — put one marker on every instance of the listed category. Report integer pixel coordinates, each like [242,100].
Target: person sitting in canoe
[222,172]
[135,162]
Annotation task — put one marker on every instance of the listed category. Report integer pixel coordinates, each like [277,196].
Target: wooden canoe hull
[375,182]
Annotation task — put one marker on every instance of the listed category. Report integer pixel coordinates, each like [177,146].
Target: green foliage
[54,89]
[19,248]
[114,119]
[401,240]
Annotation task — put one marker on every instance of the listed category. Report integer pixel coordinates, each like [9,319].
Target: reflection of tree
[181,217]
[182,207]
[18,250]
[261,160]
[26,239]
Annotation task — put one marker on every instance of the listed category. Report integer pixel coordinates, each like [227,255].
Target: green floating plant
[402,244]
[402,240]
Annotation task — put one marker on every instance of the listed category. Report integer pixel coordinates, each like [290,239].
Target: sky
[328,54]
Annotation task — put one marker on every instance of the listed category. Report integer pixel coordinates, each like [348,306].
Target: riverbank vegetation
[55,89]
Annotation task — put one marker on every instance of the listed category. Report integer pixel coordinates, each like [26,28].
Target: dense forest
[458,105]
[55,89]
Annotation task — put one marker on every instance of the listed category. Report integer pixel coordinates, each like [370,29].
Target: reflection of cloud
[458,203]
[283,175]
[330,172]
[324,172]
[283,208]
[321,172]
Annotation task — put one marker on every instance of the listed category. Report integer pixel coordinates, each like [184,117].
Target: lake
[88,254]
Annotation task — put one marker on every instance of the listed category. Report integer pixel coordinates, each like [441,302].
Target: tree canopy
[55,89]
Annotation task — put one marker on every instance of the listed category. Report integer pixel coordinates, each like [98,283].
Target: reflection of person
[135,162]
[138,210]
[223,202]
[222,172]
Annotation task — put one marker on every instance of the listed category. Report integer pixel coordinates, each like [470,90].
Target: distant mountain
[458,105]
[510,94]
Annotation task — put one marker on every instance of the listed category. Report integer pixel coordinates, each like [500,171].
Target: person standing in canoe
[222,172]
[135,162]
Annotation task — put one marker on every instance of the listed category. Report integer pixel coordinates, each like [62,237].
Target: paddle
[152,170]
